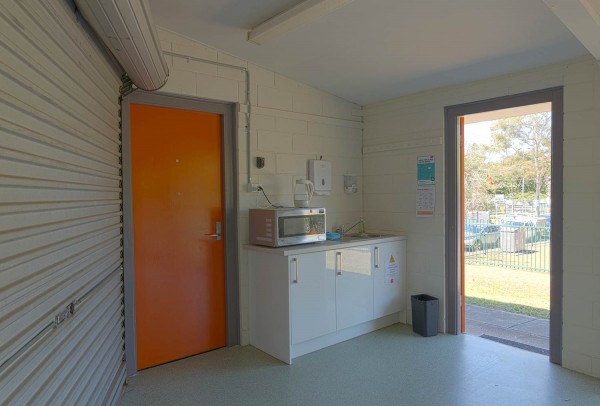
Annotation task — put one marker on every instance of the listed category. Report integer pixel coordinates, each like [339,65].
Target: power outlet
[254,187]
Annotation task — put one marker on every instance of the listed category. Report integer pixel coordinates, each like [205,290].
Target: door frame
[453,208]
[230,193]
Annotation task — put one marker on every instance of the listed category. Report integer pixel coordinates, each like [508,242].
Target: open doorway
[506,222]
[455,215]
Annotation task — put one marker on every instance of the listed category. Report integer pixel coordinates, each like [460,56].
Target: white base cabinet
[389,278]
[353,285]
[301,302]
[312,297]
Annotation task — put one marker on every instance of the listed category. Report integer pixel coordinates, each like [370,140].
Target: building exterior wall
[415,124]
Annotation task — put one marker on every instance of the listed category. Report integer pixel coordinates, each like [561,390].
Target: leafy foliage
[516,163]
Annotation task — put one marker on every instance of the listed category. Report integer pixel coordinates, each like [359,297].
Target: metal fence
[508,245]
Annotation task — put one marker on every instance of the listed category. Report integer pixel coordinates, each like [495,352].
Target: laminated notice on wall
[425,201]
[426,170]
[391,271]
[425,185]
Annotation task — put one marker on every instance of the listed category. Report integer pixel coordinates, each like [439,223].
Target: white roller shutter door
[61,332]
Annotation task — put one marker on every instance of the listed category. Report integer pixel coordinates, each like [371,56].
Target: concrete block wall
[390,182]
[290,124]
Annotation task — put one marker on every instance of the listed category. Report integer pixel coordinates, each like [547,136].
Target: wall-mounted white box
[350,185]
[319,172]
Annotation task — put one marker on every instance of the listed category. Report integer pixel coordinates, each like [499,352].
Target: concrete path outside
[521,331]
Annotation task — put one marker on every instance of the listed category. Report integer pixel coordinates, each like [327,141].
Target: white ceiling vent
[126,27]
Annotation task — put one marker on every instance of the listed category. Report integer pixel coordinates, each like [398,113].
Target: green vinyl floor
[392,366]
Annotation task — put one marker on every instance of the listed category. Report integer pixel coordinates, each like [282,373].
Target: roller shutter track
[60,210]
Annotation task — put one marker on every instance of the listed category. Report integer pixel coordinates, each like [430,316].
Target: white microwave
[278,227]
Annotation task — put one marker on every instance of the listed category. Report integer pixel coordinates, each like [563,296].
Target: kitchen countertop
[324,245]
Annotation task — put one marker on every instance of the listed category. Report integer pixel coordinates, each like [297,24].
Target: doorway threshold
[516,344]
[517,330]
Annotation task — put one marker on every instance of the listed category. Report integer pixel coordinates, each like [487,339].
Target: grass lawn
[511,290]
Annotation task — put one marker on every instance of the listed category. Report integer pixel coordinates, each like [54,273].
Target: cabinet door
[353,285]
[389,273]
[312,297]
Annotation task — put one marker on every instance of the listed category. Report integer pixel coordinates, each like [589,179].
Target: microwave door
[293,226]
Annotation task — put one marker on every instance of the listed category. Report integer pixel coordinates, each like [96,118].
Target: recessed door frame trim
[230,191]
[452,205]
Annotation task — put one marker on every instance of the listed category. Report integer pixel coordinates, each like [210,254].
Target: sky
[478,133]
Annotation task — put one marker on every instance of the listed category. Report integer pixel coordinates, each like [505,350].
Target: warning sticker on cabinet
[391,271]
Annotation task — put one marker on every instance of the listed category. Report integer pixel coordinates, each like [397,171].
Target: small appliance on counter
[303,192]
[278,227]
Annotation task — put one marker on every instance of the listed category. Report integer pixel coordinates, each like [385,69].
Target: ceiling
[372,50]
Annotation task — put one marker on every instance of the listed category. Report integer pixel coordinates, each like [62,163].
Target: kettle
[303,192]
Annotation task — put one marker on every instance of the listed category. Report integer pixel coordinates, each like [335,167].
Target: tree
[476,178]
[524,144]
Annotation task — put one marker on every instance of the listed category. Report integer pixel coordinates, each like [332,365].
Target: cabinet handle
[296,276]
[339,255]
[376,257]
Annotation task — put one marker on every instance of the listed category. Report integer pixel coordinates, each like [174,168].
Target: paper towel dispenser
[319,173]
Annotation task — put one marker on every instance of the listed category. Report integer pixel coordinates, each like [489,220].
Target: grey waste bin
[425,315]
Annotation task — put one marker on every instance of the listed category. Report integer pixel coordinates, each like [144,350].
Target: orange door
[177,203]
[461,244]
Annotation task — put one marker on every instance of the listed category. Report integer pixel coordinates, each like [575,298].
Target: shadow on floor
[517,330]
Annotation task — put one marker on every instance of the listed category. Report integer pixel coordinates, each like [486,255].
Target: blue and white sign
[426,170]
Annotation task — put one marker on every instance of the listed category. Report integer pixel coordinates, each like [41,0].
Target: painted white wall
[390,181]
[290,124]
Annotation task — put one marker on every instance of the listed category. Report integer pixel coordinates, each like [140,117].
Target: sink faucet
[342,228]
